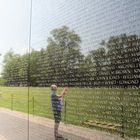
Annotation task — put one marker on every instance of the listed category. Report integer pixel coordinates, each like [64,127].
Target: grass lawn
[78,102]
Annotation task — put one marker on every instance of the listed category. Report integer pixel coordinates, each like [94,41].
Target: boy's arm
[63,93]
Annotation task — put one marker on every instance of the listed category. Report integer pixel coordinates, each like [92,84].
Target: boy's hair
[53,87]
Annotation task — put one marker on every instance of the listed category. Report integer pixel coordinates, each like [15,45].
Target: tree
[42,75]
[8,56]
[64,56]
[123,56]
[2,81]
[11,68]
[95,62]
[34,67]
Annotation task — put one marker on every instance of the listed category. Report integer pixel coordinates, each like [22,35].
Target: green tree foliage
[34,65]
[64,56]
[2,81]
[11,68]
[114,63]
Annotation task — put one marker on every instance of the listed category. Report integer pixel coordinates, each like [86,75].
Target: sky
[92,20]
[14,26]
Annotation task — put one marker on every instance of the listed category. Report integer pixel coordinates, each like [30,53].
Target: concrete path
[14,126]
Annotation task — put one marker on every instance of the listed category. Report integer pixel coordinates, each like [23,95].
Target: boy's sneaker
[59,136]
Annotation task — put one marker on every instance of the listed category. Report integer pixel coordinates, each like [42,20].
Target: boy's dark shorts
[57,116]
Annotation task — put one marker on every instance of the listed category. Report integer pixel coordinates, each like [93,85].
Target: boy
[56,101]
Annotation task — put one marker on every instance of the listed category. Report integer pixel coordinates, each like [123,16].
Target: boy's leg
[57,122]
[56,126]
[57,117]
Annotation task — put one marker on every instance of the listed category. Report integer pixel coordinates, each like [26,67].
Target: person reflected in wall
[57,103]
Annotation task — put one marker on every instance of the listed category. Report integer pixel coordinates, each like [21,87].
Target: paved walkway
[14,126]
